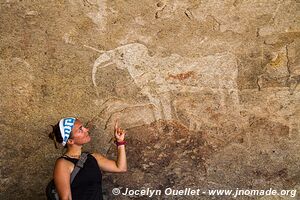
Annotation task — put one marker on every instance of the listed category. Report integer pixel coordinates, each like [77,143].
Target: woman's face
[80,134]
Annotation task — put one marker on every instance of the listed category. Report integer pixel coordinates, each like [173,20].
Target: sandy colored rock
[208,92]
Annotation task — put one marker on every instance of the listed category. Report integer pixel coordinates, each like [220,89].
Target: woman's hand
[110,165]
[119,133]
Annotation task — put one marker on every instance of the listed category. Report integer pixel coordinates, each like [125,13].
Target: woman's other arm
[62,171]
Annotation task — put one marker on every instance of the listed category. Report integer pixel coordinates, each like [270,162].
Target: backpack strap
[79,165]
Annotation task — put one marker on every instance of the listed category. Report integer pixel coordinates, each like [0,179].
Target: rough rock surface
[208,91]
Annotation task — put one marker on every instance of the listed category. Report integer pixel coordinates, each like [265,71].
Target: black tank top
[87,184]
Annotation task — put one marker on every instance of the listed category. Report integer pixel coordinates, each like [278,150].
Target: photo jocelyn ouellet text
[197,192]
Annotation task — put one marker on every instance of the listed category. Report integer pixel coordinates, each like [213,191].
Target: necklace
[72,156]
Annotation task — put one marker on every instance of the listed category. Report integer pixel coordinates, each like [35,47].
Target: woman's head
[69,131]
[80,134]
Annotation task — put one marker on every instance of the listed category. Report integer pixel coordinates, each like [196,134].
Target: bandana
[65,126]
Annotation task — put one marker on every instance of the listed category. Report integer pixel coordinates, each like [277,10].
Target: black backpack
[50,189]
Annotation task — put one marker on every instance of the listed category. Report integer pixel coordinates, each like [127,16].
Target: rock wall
[207,91]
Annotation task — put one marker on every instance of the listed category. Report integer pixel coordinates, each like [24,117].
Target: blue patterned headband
[65,126]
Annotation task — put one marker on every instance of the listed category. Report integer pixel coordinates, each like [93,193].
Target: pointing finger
[117,124]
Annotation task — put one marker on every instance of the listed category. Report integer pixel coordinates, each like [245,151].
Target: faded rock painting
[163,80]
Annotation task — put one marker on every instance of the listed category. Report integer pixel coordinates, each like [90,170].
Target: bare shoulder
[97,156]
[62,164]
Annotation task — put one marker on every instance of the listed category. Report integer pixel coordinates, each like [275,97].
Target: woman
[87,184]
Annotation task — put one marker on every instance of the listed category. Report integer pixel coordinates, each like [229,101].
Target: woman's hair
[55,135]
